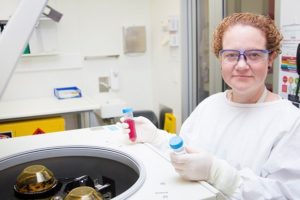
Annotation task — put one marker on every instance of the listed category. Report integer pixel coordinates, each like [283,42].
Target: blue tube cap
[127,110]
[176,142]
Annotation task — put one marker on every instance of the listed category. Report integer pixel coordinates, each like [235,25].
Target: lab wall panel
[166,59]
[288,12]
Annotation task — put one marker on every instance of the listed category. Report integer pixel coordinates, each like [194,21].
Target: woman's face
[245,75]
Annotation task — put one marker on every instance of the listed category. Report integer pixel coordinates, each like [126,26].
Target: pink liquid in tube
[132,133]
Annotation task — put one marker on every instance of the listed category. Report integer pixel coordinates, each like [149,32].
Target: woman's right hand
[146,131]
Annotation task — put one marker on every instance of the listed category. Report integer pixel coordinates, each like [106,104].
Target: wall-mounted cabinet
[43,40]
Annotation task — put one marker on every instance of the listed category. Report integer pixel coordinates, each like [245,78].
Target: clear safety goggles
[251,56]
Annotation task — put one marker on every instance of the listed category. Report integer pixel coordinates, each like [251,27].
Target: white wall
[94,27]
[288,12]
[166,60]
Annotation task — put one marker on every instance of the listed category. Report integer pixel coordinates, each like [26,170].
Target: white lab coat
[262,141]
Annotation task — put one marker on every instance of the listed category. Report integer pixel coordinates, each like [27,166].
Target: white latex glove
[201,166]
[146,131]
[193,165]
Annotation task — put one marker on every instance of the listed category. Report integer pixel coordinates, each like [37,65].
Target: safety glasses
[251,56]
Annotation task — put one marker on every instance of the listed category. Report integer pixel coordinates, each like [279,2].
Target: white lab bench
[162,182]
[48,106]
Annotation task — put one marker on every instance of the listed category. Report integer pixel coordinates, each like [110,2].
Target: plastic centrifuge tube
[128,115]
[176,144]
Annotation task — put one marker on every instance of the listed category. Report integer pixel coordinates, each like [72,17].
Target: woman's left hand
[193,165]
[202,166]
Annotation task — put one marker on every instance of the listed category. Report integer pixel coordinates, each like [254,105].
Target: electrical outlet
[104,85]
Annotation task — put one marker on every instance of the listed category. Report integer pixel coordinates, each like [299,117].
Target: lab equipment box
[31,127]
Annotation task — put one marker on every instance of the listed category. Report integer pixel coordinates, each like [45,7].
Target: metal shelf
[93,57]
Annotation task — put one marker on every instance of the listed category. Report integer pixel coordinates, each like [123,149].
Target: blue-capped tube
[177,145]
[128,115]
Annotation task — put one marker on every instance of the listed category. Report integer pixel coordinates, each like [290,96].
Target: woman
[244,141]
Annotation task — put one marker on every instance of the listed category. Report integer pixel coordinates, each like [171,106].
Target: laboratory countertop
[46,106]
[157,165]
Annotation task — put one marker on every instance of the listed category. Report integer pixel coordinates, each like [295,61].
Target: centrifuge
[99,157]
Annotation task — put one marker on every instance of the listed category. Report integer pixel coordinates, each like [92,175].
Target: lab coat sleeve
[280,177]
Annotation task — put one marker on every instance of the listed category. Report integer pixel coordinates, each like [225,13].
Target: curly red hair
[261,22]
